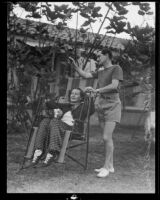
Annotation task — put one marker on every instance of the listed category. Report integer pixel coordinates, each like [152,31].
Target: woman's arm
[53,105]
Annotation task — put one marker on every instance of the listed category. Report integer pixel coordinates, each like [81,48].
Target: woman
[52,129]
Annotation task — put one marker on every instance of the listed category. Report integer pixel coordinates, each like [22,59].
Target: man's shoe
[98,170]
[103,173]
[111,169]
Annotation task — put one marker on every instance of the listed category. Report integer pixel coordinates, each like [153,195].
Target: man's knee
[107,139]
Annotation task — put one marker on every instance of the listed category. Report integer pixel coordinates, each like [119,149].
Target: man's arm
[111,87]
[80,71]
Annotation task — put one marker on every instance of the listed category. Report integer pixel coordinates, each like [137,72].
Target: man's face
[102,58]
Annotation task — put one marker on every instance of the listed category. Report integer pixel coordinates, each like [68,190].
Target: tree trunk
[58,73]
[34,82]
[15,78]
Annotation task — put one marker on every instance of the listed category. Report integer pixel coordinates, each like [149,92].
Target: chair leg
[64,147]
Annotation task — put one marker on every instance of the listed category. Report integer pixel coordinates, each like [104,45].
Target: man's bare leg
[108,142]
[102,125]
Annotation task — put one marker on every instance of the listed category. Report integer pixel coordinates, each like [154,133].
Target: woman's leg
[40,139]
[57,131]
[42,133]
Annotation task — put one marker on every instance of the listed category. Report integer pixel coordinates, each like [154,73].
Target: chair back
[79,83]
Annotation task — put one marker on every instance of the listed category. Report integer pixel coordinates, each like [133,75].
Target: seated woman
[51,131]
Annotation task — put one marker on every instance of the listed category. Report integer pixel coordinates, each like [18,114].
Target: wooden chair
[82,138]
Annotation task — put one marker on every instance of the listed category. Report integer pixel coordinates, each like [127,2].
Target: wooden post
[58,73]
[34,82]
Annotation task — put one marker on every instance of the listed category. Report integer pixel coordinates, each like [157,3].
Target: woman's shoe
[103,173]
[49,159]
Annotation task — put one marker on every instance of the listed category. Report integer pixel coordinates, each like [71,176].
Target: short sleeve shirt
[106,75]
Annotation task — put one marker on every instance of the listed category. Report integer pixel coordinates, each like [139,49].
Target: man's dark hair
[107,51]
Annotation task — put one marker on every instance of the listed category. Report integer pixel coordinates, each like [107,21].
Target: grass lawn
[129,176]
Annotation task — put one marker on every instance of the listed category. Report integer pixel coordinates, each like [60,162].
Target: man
[108,104]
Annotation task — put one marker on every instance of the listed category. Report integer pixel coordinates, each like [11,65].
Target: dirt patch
[129,176]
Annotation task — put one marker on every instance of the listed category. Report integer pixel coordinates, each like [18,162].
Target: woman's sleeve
[51,105]
[54,105]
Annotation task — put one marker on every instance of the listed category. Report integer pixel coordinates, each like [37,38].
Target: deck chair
[82,138]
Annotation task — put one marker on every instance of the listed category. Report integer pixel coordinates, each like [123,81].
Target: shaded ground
[129,176]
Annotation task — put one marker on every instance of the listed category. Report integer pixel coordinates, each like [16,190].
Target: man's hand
[89,89]
[72,61]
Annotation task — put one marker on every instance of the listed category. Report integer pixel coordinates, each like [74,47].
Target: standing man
[108,104]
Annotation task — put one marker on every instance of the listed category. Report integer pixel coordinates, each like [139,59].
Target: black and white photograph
[81,98]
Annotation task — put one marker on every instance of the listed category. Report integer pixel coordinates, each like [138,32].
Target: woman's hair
[82,94]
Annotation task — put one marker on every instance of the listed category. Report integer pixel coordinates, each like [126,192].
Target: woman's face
[75,96]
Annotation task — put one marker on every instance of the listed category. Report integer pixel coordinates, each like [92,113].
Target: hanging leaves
[123,12]
[35,15]
[149,13]
[86,23]
[91,5]
[83,14]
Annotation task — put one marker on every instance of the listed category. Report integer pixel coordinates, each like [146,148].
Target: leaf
[118,18]
[36,15]
[118,6]
[144,7]
[113,32]
[129,25]
[124,3]
[109,6]
[86,23]
[95,14]
[149,13]
[84,15]
[91,5]
[141,12]
[123,12]
[82,30]
[96,9]
[135,3]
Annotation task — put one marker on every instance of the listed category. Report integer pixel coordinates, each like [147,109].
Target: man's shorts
[108,108]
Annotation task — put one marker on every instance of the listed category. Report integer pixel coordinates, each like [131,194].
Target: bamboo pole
[96,35]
